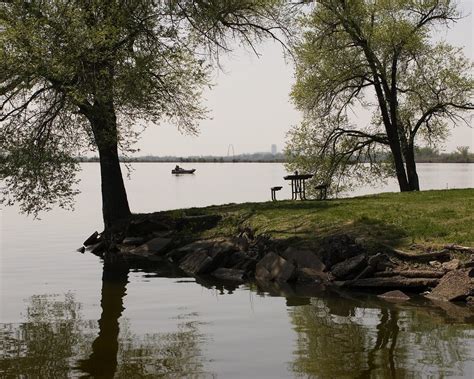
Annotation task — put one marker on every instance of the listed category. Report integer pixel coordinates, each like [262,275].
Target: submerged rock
[394,295]
[310,275]
[229,274]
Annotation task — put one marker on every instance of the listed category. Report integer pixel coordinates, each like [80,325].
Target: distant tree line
[254,157]
[422,155]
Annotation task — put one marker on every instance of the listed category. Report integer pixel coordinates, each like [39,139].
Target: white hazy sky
[250,106]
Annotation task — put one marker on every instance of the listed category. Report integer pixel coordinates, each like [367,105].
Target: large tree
[379,56]
[78,74]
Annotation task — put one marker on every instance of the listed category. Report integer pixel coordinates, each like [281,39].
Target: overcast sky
[250,107]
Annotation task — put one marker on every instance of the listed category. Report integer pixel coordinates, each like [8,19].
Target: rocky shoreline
[337,261]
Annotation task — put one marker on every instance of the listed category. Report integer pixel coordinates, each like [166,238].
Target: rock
[349,266]
[310,275]
[133,241]
[153,247]
[97,249]
[337,248]
[242,243]
[93,239]
[303,258]
[241,261]
[395,295]
[451,265]
[196,263]
[222,246]
[393,282]
[455,285]
[274,267]
[435,264]
[380,262]
[178,254]
[229,274]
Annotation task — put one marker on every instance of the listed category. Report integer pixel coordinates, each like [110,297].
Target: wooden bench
[274,189]
[323,191]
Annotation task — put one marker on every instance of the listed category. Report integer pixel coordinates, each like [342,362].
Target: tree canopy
[378,56]
[84,74]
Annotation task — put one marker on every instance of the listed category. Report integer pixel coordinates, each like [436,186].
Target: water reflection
[102,363]
[41,347]
[54,335]
[352,337]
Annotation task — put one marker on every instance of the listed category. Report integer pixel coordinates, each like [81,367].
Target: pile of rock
[338,260]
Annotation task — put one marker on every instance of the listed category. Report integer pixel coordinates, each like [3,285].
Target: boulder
[229,274]
[176,255]
[273,267]
[451,265]
[197,263]
[349,266]
[133,241]
[155,246]
[303,258]
[223,246]
[310,275]
[455,285]
[337,248]
[93,239]
[394,295]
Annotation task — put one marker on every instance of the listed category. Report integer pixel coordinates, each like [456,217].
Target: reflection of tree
[103,360]
[54,335]
[349,338]
[42,346]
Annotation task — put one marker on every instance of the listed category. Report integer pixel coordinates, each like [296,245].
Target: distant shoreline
[230,161]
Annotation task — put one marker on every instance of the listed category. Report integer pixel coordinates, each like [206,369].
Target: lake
[64,315]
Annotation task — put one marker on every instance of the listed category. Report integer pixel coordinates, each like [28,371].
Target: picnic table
[298,187]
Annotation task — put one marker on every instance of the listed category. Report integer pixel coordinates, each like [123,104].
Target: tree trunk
[400,167]
[114,197]
[413,181]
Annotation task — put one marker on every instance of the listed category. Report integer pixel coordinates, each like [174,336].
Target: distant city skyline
[250,104]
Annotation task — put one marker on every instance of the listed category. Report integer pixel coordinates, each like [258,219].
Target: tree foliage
[84,74]
[362,56]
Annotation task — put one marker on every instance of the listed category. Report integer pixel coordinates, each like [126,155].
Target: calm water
[63,314]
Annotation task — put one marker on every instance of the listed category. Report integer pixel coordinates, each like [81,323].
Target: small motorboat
[179,170]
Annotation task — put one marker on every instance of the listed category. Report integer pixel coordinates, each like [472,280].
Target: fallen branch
[463,249]
[410,274]
[443,254]
[393,282]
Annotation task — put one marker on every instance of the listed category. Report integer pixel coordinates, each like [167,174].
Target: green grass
[431,218]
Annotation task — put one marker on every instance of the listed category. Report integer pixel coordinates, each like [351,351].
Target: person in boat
[177,168]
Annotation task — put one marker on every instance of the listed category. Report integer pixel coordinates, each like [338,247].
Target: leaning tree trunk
[115,206]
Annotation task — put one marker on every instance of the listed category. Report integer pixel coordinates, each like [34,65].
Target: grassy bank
[430,218]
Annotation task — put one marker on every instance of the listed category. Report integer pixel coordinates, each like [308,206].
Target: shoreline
[291,244]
